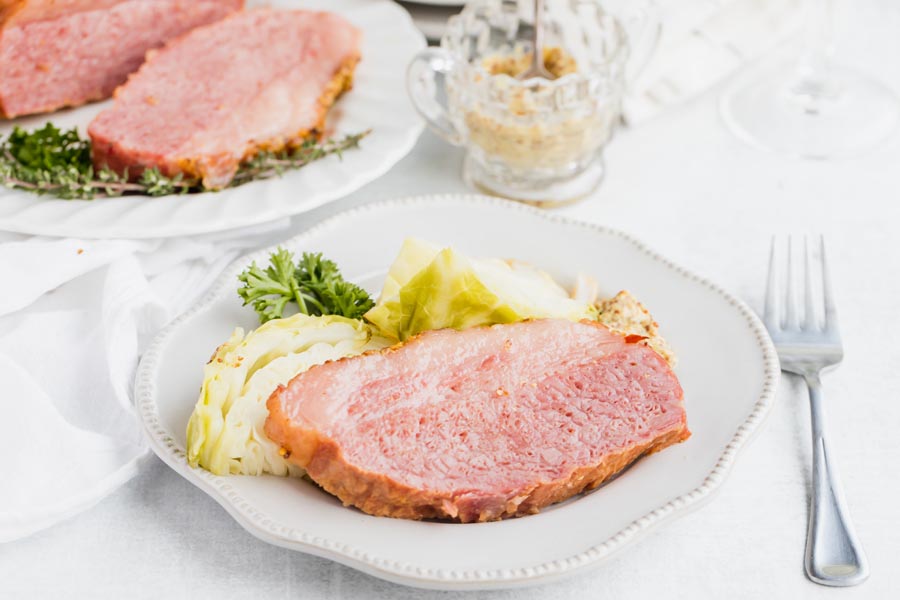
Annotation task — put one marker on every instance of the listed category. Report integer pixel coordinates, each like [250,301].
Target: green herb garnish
[53,161]
[313,283]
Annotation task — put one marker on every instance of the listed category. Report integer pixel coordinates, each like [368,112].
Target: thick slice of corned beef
[258,80]
[57,53]
[480,424]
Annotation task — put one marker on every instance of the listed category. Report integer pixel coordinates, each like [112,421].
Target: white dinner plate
[727,366]
[378,101]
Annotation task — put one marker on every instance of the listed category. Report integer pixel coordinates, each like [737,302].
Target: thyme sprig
[57,162]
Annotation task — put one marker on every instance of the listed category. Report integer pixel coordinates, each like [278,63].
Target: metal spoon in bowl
[537,68]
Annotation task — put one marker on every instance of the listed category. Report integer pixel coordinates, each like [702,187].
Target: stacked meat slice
[257,80]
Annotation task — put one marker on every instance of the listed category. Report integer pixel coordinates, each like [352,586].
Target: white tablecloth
[683,184]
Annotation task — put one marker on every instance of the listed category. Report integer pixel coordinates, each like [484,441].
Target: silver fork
[805,347]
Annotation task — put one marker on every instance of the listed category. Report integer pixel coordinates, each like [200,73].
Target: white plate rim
[124,226]
[262,527]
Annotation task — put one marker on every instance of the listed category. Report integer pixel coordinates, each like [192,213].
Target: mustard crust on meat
[341,82]
[623,313]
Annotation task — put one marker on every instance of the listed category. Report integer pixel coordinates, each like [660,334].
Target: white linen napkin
[75,316]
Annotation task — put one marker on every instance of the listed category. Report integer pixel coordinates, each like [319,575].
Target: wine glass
[809,106]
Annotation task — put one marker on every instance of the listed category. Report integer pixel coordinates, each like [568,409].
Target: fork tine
[790,296]
[770,312]
[830,311]
[810,322]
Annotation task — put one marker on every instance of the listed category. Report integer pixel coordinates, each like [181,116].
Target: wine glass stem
[811,82]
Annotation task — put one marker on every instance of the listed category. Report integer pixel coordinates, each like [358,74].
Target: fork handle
[834,555]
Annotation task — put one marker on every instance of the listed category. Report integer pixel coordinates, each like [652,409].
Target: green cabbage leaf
[225,432]
[429,287]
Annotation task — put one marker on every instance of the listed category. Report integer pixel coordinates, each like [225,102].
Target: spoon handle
[537,54]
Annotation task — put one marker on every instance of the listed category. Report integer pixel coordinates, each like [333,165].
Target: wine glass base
[773,107]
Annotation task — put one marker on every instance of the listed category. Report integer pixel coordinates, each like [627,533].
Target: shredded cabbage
[225,432]
[432,288]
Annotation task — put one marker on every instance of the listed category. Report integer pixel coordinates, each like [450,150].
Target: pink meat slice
[67,52]
[258,80]
[23,11]
[481,424]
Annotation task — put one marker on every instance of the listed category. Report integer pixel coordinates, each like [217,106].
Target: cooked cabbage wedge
[428,287]
[225,433]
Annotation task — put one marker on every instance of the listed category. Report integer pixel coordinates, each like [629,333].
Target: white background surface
[684,185]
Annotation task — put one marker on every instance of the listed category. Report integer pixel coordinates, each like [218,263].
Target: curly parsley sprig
[313,283]
[57,162]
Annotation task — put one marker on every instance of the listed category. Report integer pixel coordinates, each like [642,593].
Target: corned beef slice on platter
[58,53]
[260,79]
